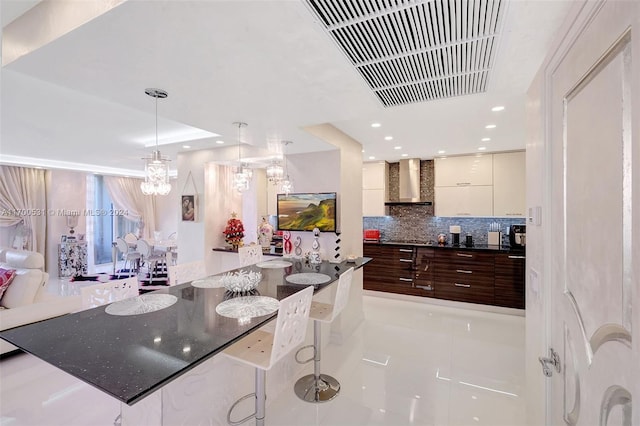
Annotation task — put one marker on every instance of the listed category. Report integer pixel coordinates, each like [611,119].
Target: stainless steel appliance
[517,235]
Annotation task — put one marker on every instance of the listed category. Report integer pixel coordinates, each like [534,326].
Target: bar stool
[318,387]
[250,255]
[186,272]
[262,350]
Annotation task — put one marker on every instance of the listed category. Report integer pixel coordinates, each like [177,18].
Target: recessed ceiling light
[405,155]
[372,158]
[490,126]
[397,147]
[363,150]
[376,124]
[186,146]
[482,148]
[219,142]
[497,108]
[485,139]
[388,138]
[442,151]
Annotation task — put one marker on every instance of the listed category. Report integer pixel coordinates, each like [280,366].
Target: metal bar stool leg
[317,387]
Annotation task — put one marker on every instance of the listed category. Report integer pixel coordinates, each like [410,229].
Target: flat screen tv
[305,211]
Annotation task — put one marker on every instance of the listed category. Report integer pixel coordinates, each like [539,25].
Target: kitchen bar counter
[129,357]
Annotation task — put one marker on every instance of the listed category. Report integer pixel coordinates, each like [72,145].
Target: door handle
[553,359]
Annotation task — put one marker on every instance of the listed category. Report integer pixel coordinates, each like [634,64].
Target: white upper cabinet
[375,178]
[464,171]
[481,185]
[470,200]
[509,184]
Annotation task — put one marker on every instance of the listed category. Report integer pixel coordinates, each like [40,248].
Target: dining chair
[250,255]
[186,272]
[262,349]
[149,257]
[108,292]
[129,256]
[131,238]
[319,387]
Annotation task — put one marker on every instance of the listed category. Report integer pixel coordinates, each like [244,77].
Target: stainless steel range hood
[409,184]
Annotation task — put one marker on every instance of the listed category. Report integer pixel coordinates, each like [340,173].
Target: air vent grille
[415,51]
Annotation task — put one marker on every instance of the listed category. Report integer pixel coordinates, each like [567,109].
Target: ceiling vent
[415,51]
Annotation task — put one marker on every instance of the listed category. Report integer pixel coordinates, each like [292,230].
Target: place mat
[273,264]
[209,282]
[247,307]
[308,278]
[142,304]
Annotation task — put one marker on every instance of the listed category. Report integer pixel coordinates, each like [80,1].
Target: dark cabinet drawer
[465,291]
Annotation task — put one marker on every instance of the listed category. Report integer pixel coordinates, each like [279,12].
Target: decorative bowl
[241,281]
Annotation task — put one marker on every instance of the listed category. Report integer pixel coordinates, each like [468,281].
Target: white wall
[65,190]
[535,263]
[168,211]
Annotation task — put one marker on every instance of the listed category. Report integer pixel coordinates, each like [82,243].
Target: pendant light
[243,174]
[275,172]
[156,169]
[286,186]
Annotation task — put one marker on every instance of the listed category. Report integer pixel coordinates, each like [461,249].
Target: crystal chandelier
[243,174]
[286,185]
[156,169]
[275,172]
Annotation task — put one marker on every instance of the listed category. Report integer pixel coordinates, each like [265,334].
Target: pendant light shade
[156,169]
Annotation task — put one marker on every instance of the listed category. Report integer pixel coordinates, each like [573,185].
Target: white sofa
[26,300]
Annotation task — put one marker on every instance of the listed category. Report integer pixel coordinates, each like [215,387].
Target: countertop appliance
[371,235]
[517,235]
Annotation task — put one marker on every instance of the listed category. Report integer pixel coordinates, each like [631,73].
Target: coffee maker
[517,236]
[455,235]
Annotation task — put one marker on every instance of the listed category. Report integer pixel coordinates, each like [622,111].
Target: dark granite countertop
[129,357]
[478,247]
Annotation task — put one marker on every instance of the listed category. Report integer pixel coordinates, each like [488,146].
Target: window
[106,228]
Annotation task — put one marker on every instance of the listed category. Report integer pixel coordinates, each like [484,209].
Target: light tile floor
[407,364]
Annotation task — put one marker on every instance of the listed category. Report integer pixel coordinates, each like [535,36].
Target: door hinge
[553,359]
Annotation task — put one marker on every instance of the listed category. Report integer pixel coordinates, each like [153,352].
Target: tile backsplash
[409,223]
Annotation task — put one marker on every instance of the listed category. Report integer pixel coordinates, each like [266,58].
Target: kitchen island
[161,364]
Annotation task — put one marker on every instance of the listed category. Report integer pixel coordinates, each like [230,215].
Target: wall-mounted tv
[305,211]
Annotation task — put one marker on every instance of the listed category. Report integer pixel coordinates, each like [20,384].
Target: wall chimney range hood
[409,185]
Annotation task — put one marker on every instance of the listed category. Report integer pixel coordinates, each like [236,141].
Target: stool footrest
[238,422]
[307,360]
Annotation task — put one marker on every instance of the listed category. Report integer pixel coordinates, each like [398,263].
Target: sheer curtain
[127,195]
[23,199]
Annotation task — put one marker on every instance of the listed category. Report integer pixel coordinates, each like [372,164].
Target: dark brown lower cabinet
[509,282]
[464,275]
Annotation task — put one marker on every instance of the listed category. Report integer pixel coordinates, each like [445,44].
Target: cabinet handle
[462,285]
[463,214]
[513,214]
[408,280]
[517,257]
[463,183]
[425,287]
[464,255]
[406,250]
[463,271]
[406,260]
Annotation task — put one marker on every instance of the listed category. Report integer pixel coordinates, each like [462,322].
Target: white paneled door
[592,111]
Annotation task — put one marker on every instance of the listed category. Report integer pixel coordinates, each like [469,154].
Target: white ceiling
[80,98]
